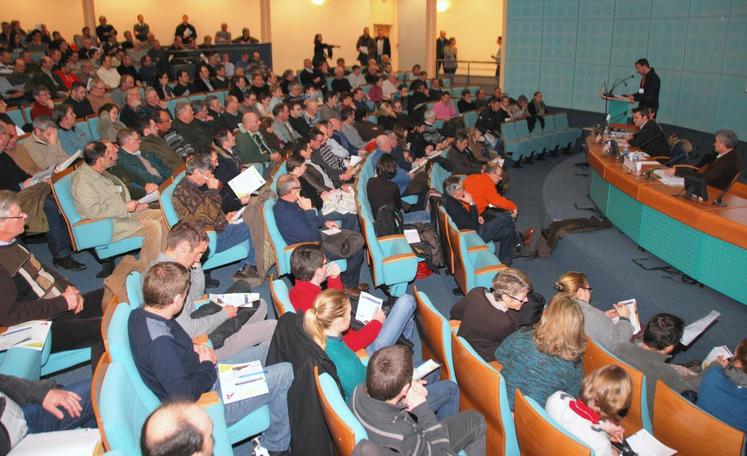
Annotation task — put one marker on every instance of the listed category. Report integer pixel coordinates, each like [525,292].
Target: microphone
[719,201]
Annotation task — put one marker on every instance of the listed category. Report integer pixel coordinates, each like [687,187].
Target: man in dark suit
[721,171]
[383,47]
[441,41]
[650,137]
[648,92]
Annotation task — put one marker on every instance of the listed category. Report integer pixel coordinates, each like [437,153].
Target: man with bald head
[251,146]
[179,428]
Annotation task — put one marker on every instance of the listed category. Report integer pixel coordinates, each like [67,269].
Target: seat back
[93,127]
[345,429]
[461,269]
[681,425]
[16,115]
[279,172]
[508,132]
[549,124]
[470,119]
[197,97]
[171,104]
[482,388]
[280,297]
[520,128]
[596,357]
[62,190]
[540,435]
[167,199]
[276,239]
[435,334]
[561,121]
[134,286]
[443,222]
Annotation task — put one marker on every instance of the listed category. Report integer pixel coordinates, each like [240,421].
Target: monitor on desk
[696,186]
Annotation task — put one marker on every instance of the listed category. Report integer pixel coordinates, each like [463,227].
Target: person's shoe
[69,263]
[246,273]
[525,252]
[526,237]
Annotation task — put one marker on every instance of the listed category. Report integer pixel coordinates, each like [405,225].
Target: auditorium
[373,227]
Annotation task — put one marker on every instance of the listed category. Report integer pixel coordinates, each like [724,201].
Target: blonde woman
[594,415]
[328,319]
[548,358]
[597,323]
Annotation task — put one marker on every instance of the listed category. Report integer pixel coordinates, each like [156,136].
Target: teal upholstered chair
[470,119]
[346,430]
[280,297]
[393,263]
[435,335]
[231,255]
[438,176]
[282,169]
[119,350]
[134,286]
[86,233]
[529,144]
[197,97]
[16,115]
[572,134]
[93,127]
[538,433]
[22,362]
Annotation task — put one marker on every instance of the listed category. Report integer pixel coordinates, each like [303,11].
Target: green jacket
[135,168]
[160,147]
[248,149]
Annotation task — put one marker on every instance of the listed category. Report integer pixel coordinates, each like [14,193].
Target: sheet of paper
[31,334]
[41,175]
[367,305]
[722,350]
[424,369]
[635,318]
[363,50]
[412,236]
[151,197]
[237,217]
[63,166]
[241,381]
[694,329]
[331,231]
[246,183]
[354,160]
[19,131]
[643,443]
[234,299]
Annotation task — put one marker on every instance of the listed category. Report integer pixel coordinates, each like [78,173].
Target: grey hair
[150,90]
[429,115]
[727,138]
[181,106]
[8,199]
[452,183]
[286,183]
[211,98]
[201,161]
[43,123]
[124,135]
[198,105]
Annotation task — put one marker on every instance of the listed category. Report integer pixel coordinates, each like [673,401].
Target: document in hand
[246,183]
[234,299]
[41,175]
[237,217]
[353,160]
[722,350]
[31,334]
[367,305]
[696,328]
[643,443]
[424,369]
[241,381]
[63,166]
[635,319]
[151,197]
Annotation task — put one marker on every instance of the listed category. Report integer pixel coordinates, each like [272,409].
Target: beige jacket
[42,155]
[101,196]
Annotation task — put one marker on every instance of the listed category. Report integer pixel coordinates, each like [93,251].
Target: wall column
[89,15]
[430,38]
[265,21]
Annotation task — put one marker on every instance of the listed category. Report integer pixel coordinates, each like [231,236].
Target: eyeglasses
[21,215]
[524,299]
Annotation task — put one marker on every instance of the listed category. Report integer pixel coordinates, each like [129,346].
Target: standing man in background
[141,29]
[186,31]
[441,43]
[648,92]
[383,46]
[497,58]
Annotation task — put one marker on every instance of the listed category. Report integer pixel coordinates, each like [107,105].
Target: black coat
[721,171]
[461,217]
[290,343]
[651,139]
[651,84]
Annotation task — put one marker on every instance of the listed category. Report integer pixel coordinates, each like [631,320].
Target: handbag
[343,244]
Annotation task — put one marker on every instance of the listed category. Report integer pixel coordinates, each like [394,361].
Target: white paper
[41,175]
[241,381]
[697,327]
[722,350]
[367,305]
[236,219]
[424,369]
[62,166]
[635,319]
[671,181]
[246,183]
[412,236]
[19,131]
[363,50]
[643,443]
[331,231]
[241,127]
[31,334]
[151,197]
[354,160]
[234,299]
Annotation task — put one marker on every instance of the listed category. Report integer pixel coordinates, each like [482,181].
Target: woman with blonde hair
[594,416]
[547,358]
[597,323]
[328,319]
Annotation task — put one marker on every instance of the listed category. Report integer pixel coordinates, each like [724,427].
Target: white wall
[476,24]
[411,31]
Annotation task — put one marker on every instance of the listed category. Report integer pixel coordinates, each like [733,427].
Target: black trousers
[70,331]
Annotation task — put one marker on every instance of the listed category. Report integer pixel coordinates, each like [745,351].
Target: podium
[618,110]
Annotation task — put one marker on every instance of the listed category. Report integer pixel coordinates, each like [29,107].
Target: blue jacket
[295,224]
[165,358]
[73,139]
[720,397]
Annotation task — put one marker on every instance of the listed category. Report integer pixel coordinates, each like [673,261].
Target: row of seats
[520,144]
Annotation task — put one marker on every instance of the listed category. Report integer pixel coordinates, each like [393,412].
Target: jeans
[398,322]
[58,238]
[443,397]
[279,378]
[417,217]
[40,420]
[466,432]
[234,235]
[500,227]
[351,275]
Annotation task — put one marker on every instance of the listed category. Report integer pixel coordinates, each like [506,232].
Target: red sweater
[302,297]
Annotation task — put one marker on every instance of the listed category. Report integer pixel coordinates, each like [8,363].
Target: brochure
[643,443]
[241,381]
[31,334]
[234,299]
[412,236]
[367,305]
[635,319]
[425,369]
[696,328]
[246,183]
[722,350]
[151,197]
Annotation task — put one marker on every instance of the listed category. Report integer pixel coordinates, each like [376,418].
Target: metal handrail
[469,64]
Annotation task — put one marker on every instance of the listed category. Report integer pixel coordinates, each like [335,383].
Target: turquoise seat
[214,259]
[373,119]
[475,264]
[474,89]
[119,350]
[93,127]
[134,286]
[197,97]
[281,248]
[27,113]
[22,362]
[541,411]
[551,129]
[345,428]
[561,124]
[517,141]
[438,176]
[439,124]
[393,263]
[366,88]
[282,169]
[87,234]
[16,115]
[445,331]
[280,297]
[470,119]
[371,105]
[221,94]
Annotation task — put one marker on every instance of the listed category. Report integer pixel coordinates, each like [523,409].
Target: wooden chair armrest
[299,244]
[390,237]
[686,166]
[477,248]
[362,354]
[496,365]
[467,231]
[491,268]
[208,399]
[202,339]
[661,157]
[99,450]
[3,329]
[86,221]
[401,256]
[454,324]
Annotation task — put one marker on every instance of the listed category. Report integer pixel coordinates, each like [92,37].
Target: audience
[722,392]
[179,427]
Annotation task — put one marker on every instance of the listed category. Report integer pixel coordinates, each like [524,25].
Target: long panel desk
[706,242]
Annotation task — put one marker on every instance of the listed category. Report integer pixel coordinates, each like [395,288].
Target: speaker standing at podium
[648,92]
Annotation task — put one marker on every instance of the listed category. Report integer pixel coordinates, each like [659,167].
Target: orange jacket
[482,189]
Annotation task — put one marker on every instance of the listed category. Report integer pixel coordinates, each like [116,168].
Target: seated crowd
[308,140]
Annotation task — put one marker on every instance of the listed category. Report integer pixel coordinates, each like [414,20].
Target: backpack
[389,221]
